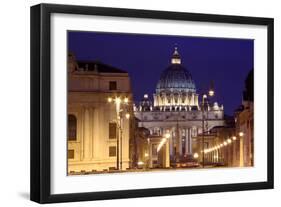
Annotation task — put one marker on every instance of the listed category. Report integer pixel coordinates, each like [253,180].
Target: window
[72,128]
[112,130]
[70,154]
[112,85]
[112,151]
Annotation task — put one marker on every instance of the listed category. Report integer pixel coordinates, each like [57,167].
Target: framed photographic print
[132,103]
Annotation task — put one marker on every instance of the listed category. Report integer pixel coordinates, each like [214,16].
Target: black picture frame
[41,96]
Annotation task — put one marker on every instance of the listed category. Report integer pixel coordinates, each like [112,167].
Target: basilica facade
[176,111]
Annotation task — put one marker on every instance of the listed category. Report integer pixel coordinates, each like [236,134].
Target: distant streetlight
[127,115]
[109,99]
[126,100]
[211,93]
[211,89]
[196,155]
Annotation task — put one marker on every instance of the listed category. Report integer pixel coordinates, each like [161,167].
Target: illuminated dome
[175,86]
[176,77]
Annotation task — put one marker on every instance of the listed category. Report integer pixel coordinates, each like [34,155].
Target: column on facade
[92,116]
[171,142]
[217,155]
[180,141]
[188,141]
[87,135]
[167,155]
[155,100]
[241,152]
[192,99]
[150,154]
[196,100]
[160,103]
[164,98]
[97,151]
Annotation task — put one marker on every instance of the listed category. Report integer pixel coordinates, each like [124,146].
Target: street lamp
[196,155]
[211,93]
[121,106]
[127,115]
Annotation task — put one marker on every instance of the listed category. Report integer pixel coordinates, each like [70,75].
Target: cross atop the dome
[176,57]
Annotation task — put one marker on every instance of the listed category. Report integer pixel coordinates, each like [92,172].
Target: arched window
[72,128]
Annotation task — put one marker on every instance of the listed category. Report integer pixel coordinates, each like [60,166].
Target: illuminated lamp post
[211,93]
[121,107]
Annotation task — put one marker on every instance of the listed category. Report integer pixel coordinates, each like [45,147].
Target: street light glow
[196,155]
[167,135]
[241,134]
[126,100]
[224,143]
[127,115]
[140,163]
[211,92]
[229,141]
[234,138]
[109,99]
[161,144]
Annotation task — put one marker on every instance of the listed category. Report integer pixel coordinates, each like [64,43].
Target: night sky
[225,61]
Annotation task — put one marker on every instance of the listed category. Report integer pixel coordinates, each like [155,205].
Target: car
[185,161]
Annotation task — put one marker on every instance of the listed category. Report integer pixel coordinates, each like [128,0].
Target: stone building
[244,118]
[226,146]
[175,110]
[93,127]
